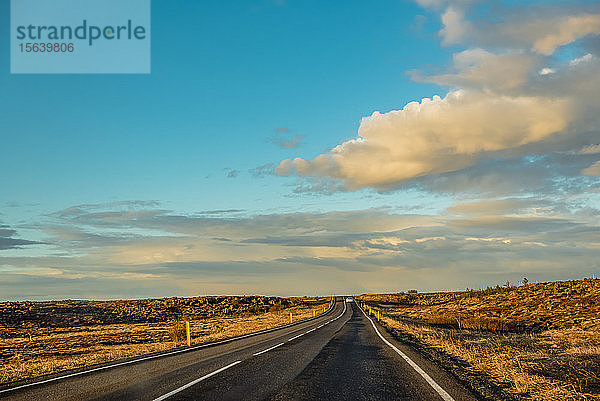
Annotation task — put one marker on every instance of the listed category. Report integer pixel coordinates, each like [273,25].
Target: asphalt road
[338,356]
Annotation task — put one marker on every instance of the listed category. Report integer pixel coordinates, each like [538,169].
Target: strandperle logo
[85,31]
[80,36]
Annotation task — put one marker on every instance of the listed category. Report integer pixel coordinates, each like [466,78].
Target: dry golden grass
[555,305]
[548,356]
[522,364]
[52,350]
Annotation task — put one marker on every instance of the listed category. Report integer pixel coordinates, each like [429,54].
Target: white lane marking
[299,335]
[309,331]
[268,349]
[89,371]
[190,384]
[227,340]
[445,396]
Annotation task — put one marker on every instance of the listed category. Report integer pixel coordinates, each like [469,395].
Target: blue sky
[219,172]
[223,79]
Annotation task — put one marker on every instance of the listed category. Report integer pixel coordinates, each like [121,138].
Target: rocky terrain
[38,338]
[75,313]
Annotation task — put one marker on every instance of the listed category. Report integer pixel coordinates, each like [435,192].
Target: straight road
[337,356]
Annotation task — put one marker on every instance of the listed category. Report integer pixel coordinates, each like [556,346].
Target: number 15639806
[47,47]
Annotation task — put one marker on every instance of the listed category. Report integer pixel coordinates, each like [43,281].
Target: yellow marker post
[378,315]
[291,318]
[314,313]
[187,333]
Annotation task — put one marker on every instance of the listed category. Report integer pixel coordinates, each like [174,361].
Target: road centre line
[158,356]
[84,372]
[268,349]
[235,363]
[299,335]
[445,396]
[190,384]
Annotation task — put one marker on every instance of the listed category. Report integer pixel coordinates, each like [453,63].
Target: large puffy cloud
[435,136]
[499,104]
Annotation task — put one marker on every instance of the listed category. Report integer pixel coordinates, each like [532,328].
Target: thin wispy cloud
[289,143]
[156,246]
[262,171]
[8,240]
[284,139]
[232,173]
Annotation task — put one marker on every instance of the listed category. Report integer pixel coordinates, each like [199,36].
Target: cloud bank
[511,91]
[114,251]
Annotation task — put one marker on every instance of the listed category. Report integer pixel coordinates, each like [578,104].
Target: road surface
[342,355]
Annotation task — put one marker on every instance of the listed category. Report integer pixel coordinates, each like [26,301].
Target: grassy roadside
[535,342]
[48,344]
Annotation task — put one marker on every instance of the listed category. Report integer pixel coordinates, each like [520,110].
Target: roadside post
[187,333]
[291,318]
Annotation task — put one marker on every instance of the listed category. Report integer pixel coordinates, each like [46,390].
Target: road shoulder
[449,372]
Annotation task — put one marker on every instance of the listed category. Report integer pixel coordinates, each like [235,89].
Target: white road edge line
[145,358]
[268,349]
[445,396]
[314,328]
[190,384]
[299,335]
[84,372]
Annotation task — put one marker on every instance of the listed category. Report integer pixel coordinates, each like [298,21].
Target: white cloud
[547,35]
[434,136]
[541,31]
[547,70]
[503,101]
[480,69]
[593,170]
[455,27]
[582,59]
